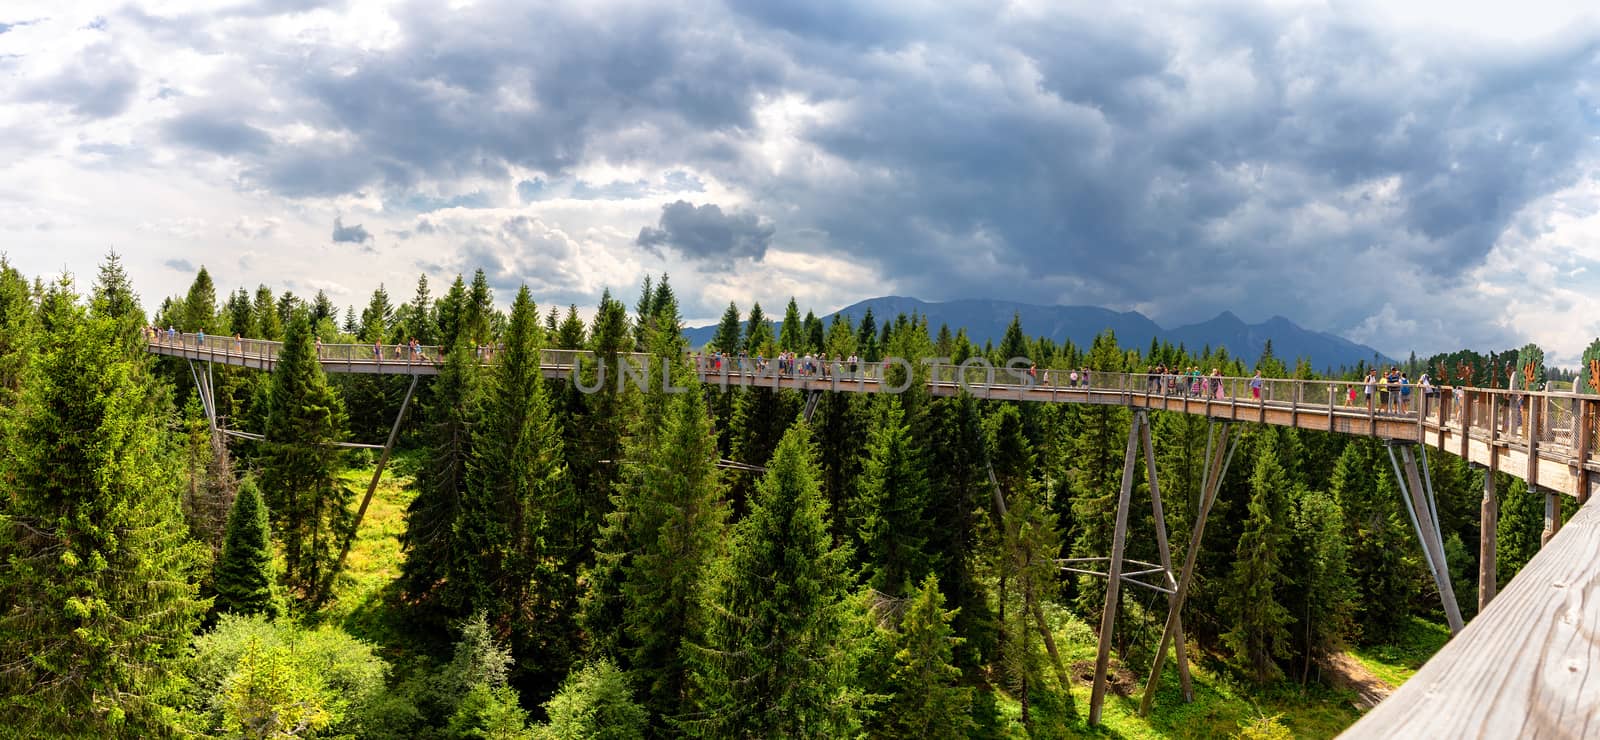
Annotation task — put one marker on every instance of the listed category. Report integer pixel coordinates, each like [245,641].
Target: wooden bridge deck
[1547,439]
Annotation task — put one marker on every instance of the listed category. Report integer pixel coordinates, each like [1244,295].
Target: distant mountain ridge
[986,320]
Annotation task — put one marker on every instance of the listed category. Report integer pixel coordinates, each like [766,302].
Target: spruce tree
[757,331]
[571,333]
[595,703]
[477,312]
[419,323]
[1259,637]
[113,295]
[300,464]
[97,597]
[926,700]
[200,305]
[1382,560]
[729,335]
[431,541]
[772,662]
[1323,603]
[889,512]
[264,315]
[517,497]
[244,571]
[959,493]
[791,336]
[18,317]
[655,554]
[450,313]
[1519,527]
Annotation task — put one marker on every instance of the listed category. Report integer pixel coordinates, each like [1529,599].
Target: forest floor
[1346,671]
[1397,661]
[1222,703]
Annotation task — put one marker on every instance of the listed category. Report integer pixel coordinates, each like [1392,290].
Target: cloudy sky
[1421,179]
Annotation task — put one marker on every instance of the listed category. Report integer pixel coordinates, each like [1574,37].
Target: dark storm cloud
[1213,157]
[99,83]
[216,133]
[650,83]
[356,234]
[705,233]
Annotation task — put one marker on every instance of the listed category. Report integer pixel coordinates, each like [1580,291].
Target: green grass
[1395,663]
[359,595]
[1221,703]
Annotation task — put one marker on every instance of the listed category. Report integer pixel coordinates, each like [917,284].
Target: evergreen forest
[542,562]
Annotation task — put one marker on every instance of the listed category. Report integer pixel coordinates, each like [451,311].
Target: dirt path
[1344,671]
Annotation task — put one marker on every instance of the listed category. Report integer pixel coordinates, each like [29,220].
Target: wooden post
[1165,551]
[1108,617]
[1488,535]
[1552,516]
[1583,442]
[1532,430]
[383,459]
[1218,456]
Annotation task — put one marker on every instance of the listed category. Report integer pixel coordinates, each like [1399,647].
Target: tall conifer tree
[656,554]
[434,554]
[97,597]
[514,517]
[299,462]
[926,700]
[890,508]
[773,661]
[1259,637]
[244,571]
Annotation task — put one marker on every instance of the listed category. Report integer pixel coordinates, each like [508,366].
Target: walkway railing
[1546,422]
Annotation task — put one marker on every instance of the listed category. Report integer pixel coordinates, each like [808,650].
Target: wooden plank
[1525,667]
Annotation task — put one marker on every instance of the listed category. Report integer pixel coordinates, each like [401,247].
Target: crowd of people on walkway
[784,364]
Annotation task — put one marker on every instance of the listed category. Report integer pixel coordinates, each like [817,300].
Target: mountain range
[986,320]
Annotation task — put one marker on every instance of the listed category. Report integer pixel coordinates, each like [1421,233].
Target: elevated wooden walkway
[1547,439]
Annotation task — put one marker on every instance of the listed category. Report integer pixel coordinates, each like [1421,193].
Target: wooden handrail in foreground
[1528,666]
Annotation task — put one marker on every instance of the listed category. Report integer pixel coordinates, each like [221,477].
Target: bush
[1264,728]
[246,667]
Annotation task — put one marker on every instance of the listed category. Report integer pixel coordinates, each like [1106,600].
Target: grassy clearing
[1221,703]
[358,597]
[1395,663]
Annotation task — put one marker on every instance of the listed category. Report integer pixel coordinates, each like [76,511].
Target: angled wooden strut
[1419,501]
[1219,454]
[1108,617]
[383,460]
[1160,518]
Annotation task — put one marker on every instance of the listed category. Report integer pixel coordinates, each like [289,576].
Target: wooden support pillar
[1160,518]
[1552,516]
[1219,454]
[383,460]
[1488,536]
[1108,617]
